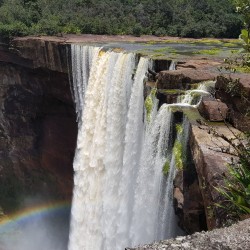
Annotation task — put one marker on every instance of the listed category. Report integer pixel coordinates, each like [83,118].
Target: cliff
[37,125]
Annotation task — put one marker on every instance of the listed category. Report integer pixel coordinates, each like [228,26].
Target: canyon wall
[37,125]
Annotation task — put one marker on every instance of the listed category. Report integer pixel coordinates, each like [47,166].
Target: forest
[184,18]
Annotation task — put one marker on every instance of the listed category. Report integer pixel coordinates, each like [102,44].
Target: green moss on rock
[149,103]
[177,151]
[166,167]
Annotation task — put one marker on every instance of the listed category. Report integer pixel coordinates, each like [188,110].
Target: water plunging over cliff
[119,195]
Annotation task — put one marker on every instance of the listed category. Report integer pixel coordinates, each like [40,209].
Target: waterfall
[121,197]
[172,66]
[203,89]
[81,57]
[150,179]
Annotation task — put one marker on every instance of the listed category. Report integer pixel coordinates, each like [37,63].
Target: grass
[166,167]
[214,51]
[172,91]
[243,69]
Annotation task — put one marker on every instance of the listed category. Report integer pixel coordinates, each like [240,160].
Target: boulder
[213,110]
[178,198]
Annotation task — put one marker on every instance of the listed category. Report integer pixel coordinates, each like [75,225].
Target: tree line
[184,18]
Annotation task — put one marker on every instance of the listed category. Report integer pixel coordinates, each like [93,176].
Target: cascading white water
[172,66]
[109,162]
[147,208]
[121,197]
[81,57]
[203,89]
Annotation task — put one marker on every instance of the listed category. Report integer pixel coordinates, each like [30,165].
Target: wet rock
[178,198]
[188,202]
[168,96]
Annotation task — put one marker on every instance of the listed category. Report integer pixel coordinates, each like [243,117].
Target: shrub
[236,189]
[160,32]
[137,30]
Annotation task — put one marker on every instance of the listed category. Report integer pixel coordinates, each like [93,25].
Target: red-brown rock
[180,79]
[234,90]
[213,110]
[37,134]
[44,53]
[211,165]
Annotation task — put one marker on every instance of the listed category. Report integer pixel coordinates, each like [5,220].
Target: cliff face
[37,125]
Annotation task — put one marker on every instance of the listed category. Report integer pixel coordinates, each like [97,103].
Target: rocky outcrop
[43,53]
[231,238]
[187,73]
[181,79]
[188,201]
[234,90]
[211,154]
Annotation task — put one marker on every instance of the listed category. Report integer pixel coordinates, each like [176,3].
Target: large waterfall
[121,197]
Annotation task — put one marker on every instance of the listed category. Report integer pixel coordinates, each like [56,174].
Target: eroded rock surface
[231,238]
[182,78]
[43,53]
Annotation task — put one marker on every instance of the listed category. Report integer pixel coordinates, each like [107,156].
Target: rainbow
[31,213]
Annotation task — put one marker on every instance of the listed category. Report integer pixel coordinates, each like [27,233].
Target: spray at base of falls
[121,197]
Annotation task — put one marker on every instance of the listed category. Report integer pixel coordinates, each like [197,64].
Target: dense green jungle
[184,18]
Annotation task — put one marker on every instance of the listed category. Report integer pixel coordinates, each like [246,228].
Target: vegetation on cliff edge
[236,189]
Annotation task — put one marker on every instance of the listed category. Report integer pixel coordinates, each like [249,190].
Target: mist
[49,231]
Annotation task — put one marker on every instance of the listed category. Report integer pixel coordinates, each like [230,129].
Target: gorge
[120,155]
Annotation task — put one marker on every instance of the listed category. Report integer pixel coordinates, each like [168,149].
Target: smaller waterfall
[193,97]
[150,181]
[172,66]
[82,58]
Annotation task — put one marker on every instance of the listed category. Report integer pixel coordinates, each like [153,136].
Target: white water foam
[121,197]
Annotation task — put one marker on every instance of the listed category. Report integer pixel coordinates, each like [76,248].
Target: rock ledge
[234,237]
